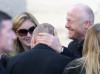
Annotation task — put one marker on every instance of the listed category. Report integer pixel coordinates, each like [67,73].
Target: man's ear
[55,33]
[33,41]
[87,24]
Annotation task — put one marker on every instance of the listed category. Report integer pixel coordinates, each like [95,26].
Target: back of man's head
[42,28]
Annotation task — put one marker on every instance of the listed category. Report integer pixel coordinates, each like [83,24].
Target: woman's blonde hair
[91,50]
[17,22]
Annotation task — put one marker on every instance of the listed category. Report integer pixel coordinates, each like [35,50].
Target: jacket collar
[79,44]
[42,46]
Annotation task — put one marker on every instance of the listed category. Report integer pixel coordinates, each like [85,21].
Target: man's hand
[50,40]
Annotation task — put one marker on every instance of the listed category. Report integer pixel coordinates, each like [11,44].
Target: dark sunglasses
[23,32]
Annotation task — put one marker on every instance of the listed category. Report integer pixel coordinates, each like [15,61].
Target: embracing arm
[53,42]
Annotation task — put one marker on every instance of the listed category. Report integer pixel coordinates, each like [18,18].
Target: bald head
[84,12]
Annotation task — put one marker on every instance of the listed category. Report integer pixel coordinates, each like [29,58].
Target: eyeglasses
[23,32]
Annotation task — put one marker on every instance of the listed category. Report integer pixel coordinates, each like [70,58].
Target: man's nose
[67,25]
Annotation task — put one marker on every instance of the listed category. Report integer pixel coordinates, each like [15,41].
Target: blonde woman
[23,25]
[90,62]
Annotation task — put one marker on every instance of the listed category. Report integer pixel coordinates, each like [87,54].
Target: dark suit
[39,60]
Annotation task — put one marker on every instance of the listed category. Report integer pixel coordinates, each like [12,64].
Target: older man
[79,18]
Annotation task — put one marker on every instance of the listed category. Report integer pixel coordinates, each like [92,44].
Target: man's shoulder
[73,42]
[20,55]
[72,45]
[16,59]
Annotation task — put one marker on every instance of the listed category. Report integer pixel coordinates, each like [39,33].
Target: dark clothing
[3,69]
[75,67]
[5,60]
[74,49]
[39,60]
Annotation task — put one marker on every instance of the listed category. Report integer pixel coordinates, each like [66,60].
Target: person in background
[90,62]
[7,36]
[23,25]
[79,18]
[41,59]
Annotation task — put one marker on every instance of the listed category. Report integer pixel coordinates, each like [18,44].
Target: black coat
[39,60]
[3,67]
[74,49]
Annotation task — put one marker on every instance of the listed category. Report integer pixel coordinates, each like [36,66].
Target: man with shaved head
[79,18]
[41,59]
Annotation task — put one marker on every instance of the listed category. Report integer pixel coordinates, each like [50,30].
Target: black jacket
[3,69]
[74,49]
[39,60]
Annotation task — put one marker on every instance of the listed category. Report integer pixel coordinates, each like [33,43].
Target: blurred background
[49,11]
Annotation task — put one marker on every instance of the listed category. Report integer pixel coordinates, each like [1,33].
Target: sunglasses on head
[23,32]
